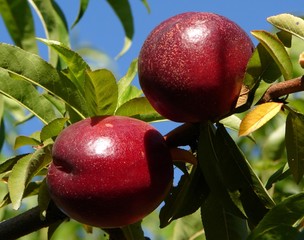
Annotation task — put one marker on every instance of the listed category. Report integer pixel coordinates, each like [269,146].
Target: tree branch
[281,89]
[29,221]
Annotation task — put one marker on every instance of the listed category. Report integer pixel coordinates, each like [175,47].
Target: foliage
[238,189]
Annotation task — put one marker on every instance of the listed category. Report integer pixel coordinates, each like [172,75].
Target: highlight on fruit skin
[109,171]
[191,66]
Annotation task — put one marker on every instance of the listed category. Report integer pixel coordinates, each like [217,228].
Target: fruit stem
[281,89]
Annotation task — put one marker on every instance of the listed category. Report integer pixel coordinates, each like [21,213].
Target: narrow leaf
[31,68]
[82,8]
[288,23]
[54,24]
[282,173]
[124,13]
[22,173]
[221,224]
[77,66]
[145,2]
[185,198]
[24,141]
[52,129]
[286,213]
[101,92]
[26,95]
[139,108]
[294,144]
[277,50]
[260,115]
[19,22]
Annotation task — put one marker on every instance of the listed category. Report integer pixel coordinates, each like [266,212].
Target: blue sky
[101,28]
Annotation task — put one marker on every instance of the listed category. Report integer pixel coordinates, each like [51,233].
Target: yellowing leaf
[258,117]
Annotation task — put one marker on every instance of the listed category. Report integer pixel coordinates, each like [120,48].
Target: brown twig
[280,89]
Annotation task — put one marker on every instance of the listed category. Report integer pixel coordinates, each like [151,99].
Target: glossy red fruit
[191,66]
[109,171]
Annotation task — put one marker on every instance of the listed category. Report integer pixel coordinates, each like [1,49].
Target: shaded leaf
[8,164]
[26,95]
[260,115]
[279,175]
[82,8]
[54,24]
[76,65]
[22,173]
[43,198]
[237,175]
[277,50]
[294,144]
[133,231]
[288,23]
[139,108]
[52,129]
[18,20]
[124,13]
[185,198]
[284,215]
[221,224]
[101,92]
[31,68]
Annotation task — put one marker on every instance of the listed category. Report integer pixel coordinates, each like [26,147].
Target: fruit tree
[98,166]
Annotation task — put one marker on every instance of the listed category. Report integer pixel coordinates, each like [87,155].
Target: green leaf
[185,198]
[221,224]
[277,50]
[139,108]
[209,164]
[24,140]
[188,227]
[101,92]
[43,198]
[294,144]
[123,11]
[133,231]
[284,215]
[237,175]
[76,65]
[8,164]
[54,24]
[52,129]
[23,171]
[20,64]
[26,95]
[288,23]
[261,66]
[279,175]
[125,90]
[82,8]
[18,20]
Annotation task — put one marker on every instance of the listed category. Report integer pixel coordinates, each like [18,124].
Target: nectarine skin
[191,66]
[109,171]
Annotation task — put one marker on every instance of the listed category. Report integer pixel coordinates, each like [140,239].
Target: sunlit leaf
[123,11]
[54,24]
[185,198]
[8,164]
[139,108]
[145,2]
[101,92]
[125,90]
[188,227]
[24,141]
[284,215]
[18,20]
[77,66]
[294,144]
[52,129]
[23,171]
[288,23]
[20,64]
[277,50]
[82,8]
[260,115]
[26,95]
[221,224]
